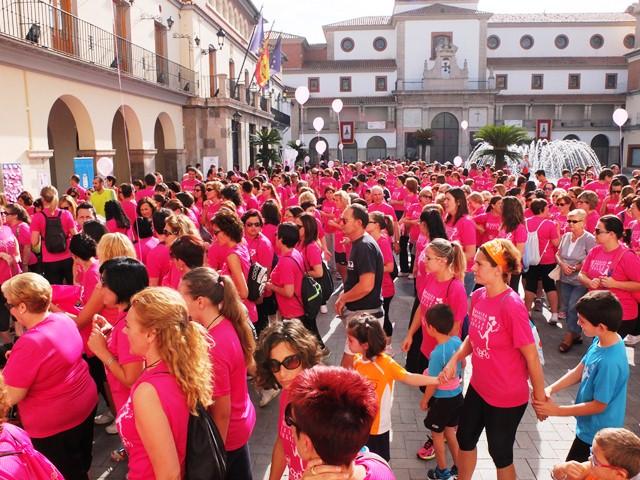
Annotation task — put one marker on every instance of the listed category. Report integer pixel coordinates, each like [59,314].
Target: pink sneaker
[427,452]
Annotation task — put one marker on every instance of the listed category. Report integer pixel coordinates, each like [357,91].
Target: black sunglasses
[290,363]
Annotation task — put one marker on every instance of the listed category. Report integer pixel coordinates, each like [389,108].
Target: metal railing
[419,85]
[41,24]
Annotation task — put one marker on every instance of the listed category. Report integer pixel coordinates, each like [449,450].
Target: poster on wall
[347,133]
[12,180]
[208,162]
[543,129]
[83,168]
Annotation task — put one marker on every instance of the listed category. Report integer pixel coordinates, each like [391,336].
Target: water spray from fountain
[552,157]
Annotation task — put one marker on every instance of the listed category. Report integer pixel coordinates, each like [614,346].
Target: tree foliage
[500,138]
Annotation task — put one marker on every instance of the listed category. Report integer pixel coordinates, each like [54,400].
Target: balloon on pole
[104,165]
[298,143]
[321,147]
[340,146]
[318,124]
[337,105]
[302,95]
[464,125]
[457,161]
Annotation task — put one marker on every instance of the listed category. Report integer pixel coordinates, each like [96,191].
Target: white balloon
[464,124]
[306,159]
[330,164]
[321,147]
[318,123]
[337,105]
[298,142]
[302,95]
[341,146]
[457,161]
[104,165]
[620,116]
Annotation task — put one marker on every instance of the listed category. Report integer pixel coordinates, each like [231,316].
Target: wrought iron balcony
[45,26]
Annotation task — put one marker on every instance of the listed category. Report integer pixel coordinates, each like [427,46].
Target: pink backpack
[31,463]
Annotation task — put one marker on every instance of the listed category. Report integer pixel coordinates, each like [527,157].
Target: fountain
[552,157]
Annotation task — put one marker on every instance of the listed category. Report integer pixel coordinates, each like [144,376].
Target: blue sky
[306,17]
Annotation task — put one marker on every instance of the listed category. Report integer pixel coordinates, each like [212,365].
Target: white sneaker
[111,429]
[324,309]
[267,395]
[631,340]
[104,418]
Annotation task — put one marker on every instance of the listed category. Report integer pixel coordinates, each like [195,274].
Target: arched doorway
[445,130]
[69,129]
[376,148]
[600,145]
[164,139]
[572,137]
[126,137]
[350,152]
[314,157]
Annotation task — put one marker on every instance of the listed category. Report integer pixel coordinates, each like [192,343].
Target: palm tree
[267,141]
[500,138]
[424,137]
[298,148]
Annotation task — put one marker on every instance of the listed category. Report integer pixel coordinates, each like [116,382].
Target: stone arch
[376,148]
[168,130]
[126,138]
[445,131]
[164,138]
[572,136]
[86,134]
[314,157]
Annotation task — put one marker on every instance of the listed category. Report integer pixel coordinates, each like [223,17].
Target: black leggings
[416,361]
[70,451]
[388,327]
[239,464]
[501,425]
[59,273]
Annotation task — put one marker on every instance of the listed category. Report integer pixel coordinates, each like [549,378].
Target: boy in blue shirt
[443,402]
[603,374]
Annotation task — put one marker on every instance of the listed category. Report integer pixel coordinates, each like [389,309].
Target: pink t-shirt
[22,232]
[376,467]
[88,280]
[561,221]
[329,208]
[210,209]
[113,227]
[188,185]
[146,192]
[398,195]
[413,212]
[288,441]
[158,262]
[130,210]
[593,217]
[388,288]
[311,255]
[271,232]
[18,467]
[600,187]
[174,406]
[498,328]
[8,245]
[230,378]
[564,183]
[421,273]
[118,345]
[384,208]
[38,224]
[450,292]
[547,232]
[60,392]
[172,279]
[619,266]
[242,252]
[464,231]
[260,250]
[216,255]
[143,246]
[519,235]
[634,226]
[288,271]
[491,224]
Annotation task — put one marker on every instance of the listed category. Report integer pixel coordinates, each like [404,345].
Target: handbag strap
[616,260]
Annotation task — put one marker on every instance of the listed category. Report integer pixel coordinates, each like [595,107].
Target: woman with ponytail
[177,376]
[380,227]
[214,303]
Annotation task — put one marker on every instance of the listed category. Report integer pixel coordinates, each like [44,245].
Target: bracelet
[110,361]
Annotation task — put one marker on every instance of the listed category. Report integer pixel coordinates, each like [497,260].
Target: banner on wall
[543,129]
[347,133]
[12,180]
[83,168]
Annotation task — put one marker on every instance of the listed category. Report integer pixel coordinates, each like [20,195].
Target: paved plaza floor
[539,445]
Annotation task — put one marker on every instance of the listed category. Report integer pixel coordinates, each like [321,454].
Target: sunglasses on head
[290,363]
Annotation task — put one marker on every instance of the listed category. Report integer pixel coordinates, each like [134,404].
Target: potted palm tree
[300,148]
[268,142]
[500,138]
[424,137]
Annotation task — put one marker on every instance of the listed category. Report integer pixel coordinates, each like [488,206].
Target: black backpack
[326,282]
[206,458]
[311,294]
[54,237]
[257,281]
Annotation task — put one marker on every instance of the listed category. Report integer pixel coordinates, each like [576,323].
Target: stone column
[142,162]
[587,116]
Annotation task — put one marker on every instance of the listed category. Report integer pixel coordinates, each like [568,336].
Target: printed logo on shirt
[600,267]
[485,325]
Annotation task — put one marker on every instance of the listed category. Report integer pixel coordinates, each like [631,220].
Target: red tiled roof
[360,21]
[600,17]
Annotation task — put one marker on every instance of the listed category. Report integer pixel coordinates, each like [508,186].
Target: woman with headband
[504,357]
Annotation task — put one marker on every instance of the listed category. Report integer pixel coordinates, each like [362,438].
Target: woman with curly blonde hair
[177,376]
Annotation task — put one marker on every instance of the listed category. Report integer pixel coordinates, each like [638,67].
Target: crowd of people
[145,300]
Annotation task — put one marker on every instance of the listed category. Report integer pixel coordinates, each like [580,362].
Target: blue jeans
[469,282]
[569,295]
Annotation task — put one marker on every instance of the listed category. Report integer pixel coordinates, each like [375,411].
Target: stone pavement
[539,445]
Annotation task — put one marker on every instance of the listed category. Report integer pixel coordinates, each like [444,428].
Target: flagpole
[267,39]
[246,54]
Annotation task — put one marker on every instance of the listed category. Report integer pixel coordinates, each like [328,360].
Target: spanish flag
[263,71]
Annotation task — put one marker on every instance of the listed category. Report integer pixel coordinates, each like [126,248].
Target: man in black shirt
[363,285]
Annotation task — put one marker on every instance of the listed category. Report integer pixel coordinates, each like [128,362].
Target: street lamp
[170,22]
[221,36]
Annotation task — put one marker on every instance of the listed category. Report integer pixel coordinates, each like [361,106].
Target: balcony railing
[419,85]
[39,23]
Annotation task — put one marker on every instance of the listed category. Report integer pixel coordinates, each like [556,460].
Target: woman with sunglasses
[572,251]
[563,205]
[9,266]
[199,196]
[611,203]
[284,350]
[212,202]
[488,223]
[272,218]
[612,266]
[588,201]
[213,302]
